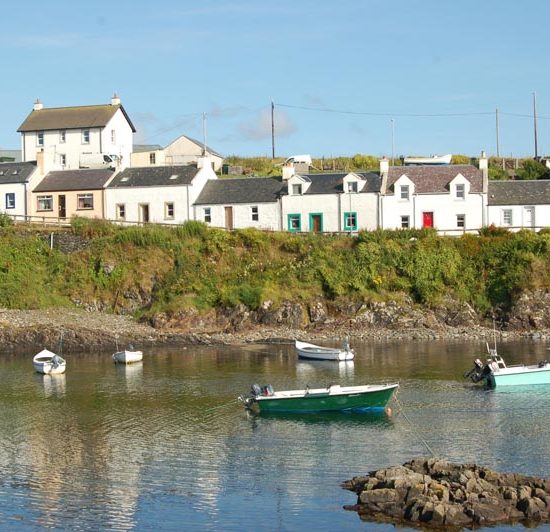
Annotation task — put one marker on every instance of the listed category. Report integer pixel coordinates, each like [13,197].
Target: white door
[528,216]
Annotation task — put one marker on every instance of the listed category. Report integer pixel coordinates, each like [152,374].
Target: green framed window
[294,223]
[350,221]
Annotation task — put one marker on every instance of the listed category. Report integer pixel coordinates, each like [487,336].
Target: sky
[378,77]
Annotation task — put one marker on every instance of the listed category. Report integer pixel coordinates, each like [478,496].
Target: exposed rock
[438,494]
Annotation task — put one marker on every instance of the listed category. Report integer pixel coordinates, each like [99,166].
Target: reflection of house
[240,203]
[183,150]
[16,182]
[449,198]
[162,194]
[519,204]
[68,193]
[65,134]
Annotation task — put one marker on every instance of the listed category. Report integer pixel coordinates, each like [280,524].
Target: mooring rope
[401,409]
[221,406]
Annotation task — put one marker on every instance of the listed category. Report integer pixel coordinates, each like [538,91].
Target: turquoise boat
[333,398]
[495,372]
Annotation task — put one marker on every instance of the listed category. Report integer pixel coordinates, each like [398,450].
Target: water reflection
[321,369]
[54,385]
[132,375]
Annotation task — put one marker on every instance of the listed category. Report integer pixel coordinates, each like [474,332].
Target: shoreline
[92,330]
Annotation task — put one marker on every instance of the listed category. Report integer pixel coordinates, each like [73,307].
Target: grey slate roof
[519,192]
[71,117]
[154,176]
[333,183]
[140,148]
[16,172]
[241,190]
[435,179]
[61,180]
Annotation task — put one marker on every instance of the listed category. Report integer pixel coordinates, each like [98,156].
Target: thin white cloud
[260,127]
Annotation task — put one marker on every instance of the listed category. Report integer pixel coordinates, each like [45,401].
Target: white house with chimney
[90,136]
[17,180]
[451,199]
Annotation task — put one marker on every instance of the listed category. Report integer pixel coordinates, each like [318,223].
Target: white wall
[20,198]
[124,138]
[520,218]
[268,215]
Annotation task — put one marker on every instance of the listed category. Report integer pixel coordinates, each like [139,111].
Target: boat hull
[313,352]
[49,363]
[520,376]
[127,357]
[371,399]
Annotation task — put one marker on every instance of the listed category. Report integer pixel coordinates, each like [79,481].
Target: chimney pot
[38,105]
[115,99]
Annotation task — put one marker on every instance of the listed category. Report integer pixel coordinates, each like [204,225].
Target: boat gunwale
[321,392]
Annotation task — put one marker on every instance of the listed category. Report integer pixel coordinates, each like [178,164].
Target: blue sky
[338,72]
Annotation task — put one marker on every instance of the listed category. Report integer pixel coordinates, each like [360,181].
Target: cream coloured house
[183,150]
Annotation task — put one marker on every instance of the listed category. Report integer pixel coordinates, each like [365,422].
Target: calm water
[165,445]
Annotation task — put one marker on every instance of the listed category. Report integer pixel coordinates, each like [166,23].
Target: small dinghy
[315,352]
[127,356]
[333,398]
[49,363]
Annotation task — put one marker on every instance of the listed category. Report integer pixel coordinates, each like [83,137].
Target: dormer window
[460,191]
[296,190]
[353,186]
[404,192]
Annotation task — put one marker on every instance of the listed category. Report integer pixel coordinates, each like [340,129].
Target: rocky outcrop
[530,311]
[436,493]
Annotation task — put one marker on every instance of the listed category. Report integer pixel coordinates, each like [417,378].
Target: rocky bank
[433,493]
[86,328]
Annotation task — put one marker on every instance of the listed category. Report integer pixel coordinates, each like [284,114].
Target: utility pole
[272,130]
[392,141]
[204,133]
[535,124]
[498,146]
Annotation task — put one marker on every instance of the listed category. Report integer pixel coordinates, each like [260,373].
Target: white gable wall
[123,141]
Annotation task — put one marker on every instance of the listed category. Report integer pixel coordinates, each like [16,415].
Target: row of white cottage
[453,199]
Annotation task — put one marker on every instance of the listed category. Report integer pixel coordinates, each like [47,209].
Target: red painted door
[427,219]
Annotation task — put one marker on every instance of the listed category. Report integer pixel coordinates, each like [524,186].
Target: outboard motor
[256,390]
[478,372]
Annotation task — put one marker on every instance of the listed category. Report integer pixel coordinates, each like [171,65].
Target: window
[294,222]
[207,215]
[352,186]
[350,221]
[62,136]
[113,136]
[405,222]
[254,214]
[296,190]
[62,159]
[10,200]
[507,217]
[169,211]
[404,192]
[44,203]
[461,221]
[460,191]
[121,211]
[85,201]
[152,158]
[40,138]
[85,136]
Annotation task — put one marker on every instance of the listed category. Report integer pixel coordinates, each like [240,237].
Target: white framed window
[62,136]
[207,214]
[85,136]
[460,191]
[152,158]
[44,203]
[40,138]
[352,186]
[507,217]
[62,159]
[254,214]
[296,190]
[120,211]
[113,136]
[405,222]
[461,221]
[404,192]
[84,201]
[169,211]
[10,200]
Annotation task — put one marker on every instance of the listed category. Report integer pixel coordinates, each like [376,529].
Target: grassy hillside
[158,269]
